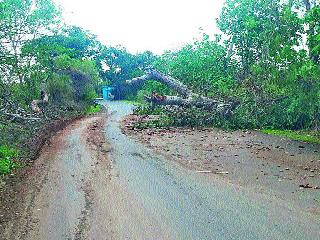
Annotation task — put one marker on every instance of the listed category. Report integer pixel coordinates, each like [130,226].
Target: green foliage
[261,60]
[37,50]
[118,65]
[60,89]
[298,136]
[7,156]
[150,87]
[20,21]
[266,57]
[92,109]
[201,66]
[68,61]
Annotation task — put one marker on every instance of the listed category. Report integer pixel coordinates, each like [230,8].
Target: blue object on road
[106,93]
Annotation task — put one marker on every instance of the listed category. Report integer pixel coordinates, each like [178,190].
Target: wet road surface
[191,206]
[83,187]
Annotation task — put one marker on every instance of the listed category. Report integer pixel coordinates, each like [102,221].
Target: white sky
[139,25]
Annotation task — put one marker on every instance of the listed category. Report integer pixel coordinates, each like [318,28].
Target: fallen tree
[187,99]
[153,74]
[10,110]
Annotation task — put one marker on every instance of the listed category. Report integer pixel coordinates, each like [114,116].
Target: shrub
[7,156]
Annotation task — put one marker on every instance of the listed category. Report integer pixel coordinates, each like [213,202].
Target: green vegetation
[261,59]
[7,157]
[93,109]
[266,57]
[40,54]
[311,137]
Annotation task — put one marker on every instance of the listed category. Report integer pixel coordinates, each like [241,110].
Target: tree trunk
[311,33]
[188,99]
[223,109]
[152,74]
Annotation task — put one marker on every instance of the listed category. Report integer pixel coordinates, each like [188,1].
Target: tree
[117,65]
[67,61]
[20,21]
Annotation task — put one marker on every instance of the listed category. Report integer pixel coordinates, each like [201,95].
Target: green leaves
[7,155]
[263,62]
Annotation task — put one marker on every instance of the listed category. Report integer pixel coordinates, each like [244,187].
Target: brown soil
[72,192]
[36,142]
[10,184]
[248,158]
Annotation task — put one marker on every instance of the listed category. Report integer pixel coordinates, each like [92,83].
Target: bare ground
[52,199]
[92,182]
[276,166]
[71,192]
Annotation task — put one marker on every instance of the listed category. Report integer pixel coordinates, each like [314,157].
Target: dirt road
[94,182]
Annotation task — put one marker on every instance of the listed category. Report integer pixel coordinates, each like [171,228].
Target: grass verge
[93,109]
[7,156]
[135,103]
[304,136]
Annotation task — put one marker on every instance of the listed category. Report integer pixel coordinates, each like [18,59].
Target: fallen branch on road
[187,99]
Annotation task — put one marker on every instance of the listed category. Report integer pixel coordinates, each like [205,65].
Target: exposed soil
[10,184]
[71,192]
[34,188]
[269,164]
[91,181]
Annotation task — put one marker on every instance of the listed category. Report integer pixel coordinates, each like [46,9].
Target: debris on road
[308,186]
[222,172]
[204,171]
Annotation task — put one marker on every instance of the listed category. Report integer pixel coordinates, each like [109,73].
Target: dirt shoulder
[9,184]
[71,191]
[265,163]
[19,189]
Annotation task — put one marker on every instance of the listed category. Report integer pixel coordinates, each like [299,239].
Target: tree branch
[188,99]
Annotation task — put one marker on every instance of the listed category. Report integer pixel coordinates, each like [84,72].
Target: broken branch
[188,99]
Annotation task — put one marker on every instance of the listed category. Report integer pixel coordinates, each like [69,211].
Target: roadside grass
[93,109]
[7,156]
[135,103]
[304,136]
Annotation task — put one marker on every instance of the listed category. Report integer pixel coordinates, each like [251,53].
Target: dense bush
[7,157]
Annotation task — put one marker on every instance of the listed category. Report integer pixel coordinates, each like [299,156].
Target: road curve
[190,206]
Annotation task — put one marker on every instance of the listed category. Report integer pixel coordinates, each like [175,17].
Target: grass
[7,156]
[93,109]
[135,103]
[304,136]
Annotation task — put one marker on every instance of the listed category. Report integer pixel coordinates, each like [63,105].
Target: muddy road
[94,182]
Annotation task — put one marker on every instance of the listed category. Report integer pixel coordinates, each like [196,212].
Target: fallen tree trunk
[12,111]
[152,74]
[20,117]
[188,99]
[223,109]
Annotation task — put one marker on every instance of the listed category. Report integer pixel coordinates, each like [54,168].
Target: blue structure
[106,93]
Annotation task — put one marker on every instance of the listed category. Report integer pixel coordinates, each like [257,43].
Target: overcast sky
[139,25]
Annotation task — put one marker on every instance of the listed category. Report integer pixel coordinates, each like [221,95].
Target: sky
[140,25]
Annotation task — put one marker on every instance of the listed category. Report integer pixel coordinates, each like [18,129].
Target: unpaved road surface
[94,182]
[264,163]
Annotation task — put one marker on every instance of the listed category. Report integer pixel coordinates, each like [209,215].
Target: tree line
[43,57]
[266,57]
